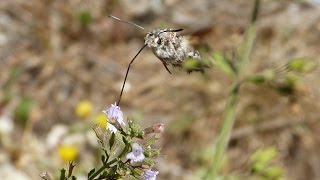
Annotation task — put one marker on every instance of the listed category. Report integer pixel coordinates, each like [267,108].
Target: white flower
[136,155]
[114,113]
[111,128]
[150,175]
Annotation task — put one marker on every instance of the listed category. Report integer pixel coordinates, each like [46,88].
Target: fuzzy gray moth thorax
[169,47]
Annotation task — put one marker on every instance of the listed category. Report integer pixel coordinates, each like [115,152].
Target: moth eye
[159,41]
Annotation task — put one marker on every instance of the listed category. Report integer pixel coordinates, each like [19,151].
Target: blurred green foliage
[85,18]
[23,110]
[223,64]
[288,85]
[260,78]
[302,65]
[262,164]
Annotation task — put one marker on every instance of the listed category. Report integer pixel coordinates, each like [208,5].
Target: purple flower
[114,113]
[136,155]
[150,175]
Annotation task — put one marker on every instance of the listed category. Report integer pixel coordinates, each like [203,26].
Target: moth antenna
[125,78]
[173,30]
[127,22]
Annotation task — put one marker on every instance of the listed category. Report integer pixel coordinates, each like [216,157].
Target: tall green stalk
[223,139]
[229,113]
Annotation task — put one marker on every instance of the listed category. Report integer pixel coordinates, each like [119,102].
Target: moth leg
[165,65]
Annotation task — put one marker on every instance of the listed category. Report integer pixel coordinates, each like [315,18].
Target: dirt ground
[57,53]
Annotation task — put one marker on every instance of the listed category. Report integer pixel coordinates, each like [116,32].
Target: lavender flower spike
[136,155]
[114,113]
[150,175]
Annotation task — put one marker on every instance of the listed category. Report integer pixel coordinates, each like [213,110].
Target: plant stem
[250,34]
[229,112]
[228,121]
[245,49]
[103,167]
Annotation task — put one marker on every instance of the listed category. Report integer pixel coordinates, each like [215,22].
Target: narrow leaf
[103,159]
[91,172]
[111,140]
[63,174]
[107,155]
[70,169]
[223,64]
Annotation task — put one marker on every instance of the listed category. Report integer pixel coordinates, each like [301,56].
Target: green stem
[104,166]
[100,170]
[229,112]
[228,121]
[245,48]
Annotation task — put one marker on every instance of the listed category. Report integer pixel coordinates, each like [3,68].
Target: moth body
[170,48]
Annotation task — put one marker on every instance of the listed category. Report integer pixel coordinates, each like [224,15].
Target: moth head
[153,39]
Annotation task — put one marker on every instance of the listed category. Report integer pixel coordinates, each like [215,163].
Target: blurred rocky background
[57,54]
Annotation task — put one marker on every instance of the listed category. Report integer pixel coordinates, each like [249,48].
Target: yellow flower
[101,120]
[84,109]
[68,152]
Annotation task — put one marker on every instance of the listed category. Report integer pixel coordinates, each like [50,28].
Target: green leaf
[107,155]
[125,141]
[91,172]
[223,64]
[63,174]
[103,159]
[111,140]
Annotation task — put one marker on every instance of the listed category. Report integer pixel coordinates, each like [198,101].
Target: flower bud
[301,65]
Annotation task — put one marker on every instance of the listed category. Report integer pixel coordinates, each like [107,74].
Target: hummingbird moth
[169,47]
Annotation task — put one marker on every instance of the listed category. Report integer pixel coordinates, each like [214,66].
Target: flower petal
[150,175]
